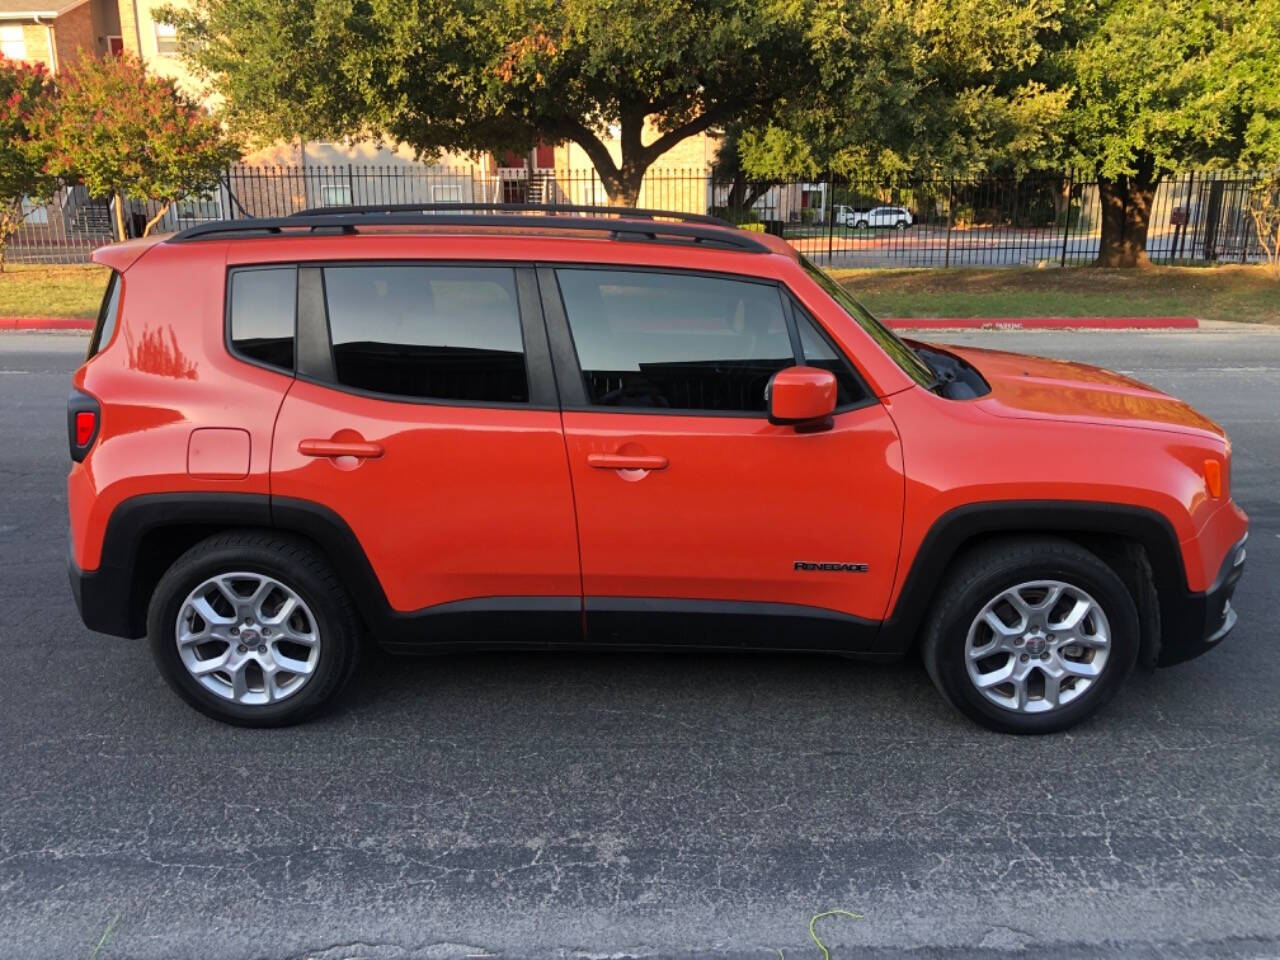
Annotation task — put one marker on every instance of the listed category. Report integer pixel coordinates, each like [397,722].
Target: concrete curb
[47,323]
[899,323]
[1043,323]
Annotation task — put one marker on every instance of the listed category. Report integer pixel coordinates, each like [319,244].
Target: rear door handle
[339,448]
[617,461]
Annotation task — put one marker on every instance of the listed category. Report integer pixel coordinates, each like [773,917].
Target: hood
[1038,388]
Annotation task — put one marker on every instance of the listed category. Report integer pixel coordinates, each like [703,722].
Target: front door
[424,431]
[699,521]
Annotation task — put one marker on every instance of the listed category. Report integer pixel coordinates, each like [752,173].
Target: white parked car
[897,217]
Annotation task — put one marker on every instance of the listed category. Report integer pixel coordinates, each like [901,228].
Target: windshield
[902,355]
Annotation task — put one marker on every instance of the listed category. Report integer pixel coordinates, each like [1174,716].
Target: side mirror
[802,397]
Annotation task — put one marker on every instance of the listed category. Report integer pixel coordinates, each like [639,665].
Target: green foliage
[1174,83]
[471,75]
[122,132]
[23,88]
[919,87]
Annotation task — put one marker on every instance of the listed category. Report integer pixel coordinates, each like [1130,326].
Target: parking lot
[635,805]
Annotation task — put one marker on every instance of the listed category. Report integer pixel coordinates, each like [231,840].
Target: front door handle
[340,448]
[618,461]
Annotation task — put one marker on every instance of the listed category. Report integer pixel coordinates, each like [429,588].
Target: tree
[1264,209]
[23,88]
[126,134]
[919,87]
[1162,84]
[473,75]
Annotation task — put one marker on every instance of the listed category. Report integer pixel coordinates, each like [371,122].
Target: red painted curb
[47,323]
[1043,323]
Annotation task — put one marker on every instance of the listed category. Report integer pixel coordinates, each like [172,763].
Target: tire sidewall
[188,573]
[1103,585]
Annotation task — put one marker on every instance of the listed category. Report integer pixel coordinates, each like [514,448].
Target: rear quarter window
[263,314]
[108,312]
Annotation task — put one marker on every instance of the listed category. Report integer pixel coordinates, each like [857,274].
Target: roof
[30,9]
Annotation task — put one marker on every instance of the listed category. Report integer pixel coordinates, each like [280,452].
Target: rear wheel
[253,629]
[1031,635]
[862,224]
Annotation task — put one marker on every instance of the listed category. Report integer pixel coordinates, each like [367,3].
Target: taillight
[84,417]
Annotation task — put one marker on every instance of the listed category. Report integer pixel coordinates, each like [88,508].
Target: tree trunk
[156,219]
[1126,215]
[120,235]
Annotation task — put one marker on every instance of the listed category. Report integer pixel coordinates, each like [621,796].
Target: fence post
[1066,217]
[830,194]
[951,206]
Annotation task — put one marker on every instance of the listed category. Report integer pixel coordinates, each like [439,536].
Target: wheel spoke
[210,616]
[203,668]
[1075,616]
[996,677]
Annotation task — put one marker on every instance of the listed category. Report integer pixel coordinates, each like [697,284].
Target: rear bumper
[1203,619]
[103,599]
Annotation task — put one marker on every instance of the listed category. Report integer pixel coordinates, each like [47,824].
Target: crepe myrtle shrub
[129,135]
[23,88]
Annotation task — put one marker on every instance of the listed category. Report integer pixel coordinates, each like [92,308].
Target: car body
[475,434]
[884,216]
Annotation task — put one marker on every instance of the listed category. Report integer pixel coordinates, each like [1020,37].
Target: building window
[12,43]
[335,195]
[166,40]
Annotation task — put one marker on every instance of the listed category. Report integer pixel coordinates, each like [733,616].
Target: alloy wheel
[1037,646]
[248,638]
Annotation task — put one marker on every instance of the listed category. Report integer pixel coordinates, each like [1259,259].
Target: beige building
[54,32]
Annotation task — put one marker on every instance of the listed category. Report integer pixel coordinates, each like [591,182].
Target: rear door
[699,521]
[424,416]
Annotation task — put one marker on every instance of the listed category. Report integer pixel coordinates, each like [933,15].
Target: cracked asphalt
[619,805]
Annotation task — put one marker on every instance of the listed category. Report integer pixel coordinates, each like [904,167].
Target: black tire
[292,562]
[979,576]
[901,225]
[862,224]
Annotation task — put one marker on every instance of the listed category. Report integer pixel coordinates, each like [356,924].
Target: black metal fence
[1197,217]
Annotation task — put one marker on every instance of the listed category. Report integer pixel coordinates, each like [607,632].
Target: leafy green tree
[23,87]
[919,87]
[126,134]
[472,75]
[1165,84]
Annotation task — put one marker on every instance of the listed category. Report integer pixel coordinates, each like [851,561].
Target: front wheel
[253,629]
[1031,635]
[862,224]
[901,225]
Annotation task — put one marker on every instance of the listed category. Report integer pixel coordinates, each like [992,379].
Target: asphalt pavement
[635,805]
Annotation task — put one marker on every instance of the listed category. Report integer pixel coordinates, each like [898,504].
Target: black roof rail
[526,209]
[619,227]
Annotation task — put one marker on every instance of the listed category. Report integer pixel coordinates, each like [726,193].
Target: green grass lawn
[1246,294]
[57,291]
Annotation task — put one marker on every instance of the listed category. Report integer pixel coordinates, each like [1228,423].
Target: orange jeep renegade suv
[464,428]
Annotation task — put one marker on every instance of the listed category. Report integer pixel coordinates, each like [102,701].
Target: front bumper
[1202,620]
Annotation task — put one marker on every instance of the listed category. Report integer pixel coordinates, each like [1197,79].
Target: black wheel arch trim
[112,598]
[954,530]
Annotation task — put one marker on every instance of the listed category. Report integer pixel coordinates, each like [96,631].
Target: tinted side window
[263,308]
[675,341]
[442,333]
[108,311]
[819,352]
